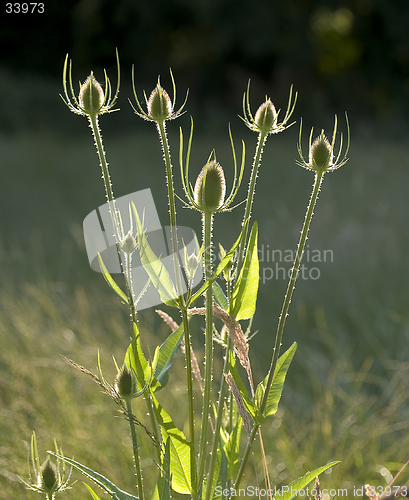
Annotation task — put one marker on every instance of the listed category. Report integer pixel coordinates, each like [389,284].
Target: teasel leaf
[154,267]
[244,295]
[276,389]
[99,479]
[111,282]
[222,264]
[163,357]
[180,451]
[294,488]
[136,361]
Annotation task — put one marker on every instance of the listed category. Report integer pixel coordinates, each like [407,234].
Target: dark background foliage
[340,55]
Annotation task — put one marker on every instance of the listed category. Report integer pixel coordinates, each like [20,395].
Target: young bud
[91,97]
[160,106]
[49,476]
[266,117]
[321,153]
[128,244]
[210,187]
[124,383]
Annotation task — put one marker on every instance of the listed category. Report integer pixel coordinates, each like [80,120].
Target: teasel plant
[205,461]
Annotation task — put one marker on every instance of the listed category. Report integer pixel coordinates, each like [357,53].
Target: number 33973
[24,8]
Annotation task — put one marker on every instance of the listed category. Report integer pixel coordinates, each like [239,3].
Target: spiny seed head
[160,106]
[124,382]
[266,117]
[128,244]
[91,97]
[210,187]
[49,476]
[321,154]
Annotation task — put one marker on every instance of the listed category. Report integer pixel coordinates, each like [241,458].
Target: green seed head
[210,187]
[266,117]
[49,476]
[128,244]
[124,382]
[321,154]
[160,106]
[91,97]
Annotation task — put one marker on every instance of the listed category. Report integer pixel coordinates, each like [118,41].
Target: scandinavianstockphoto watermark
[276,264]
[307,492]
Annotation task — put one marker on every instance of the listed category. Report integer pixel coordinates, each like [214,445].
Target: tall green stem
[250,195]
[217,426]
[319,176]
[189,384]
[138,472]
[172,208]
[93,119]
[207,262]
[183,310]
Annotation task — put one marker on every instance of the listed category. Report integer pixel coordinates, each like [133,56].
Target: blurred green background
[346,396]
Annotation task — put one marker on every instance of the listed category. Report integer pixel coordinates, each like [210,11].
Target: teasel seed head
[91,96]
[49,476]
[125,383]
[210,187]
[159,105]
[266,117]
[321,154]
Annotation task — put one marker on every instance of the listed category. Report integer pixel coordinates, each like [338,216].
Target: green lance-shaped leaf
[99,479]
[162,488]
[93,494]
[163,357]
[276,388]
[136,361]
[244,296]
[231,449]
[293,489]
[111,282]
[220,297]
[153,266]
[179,451]
[222,264]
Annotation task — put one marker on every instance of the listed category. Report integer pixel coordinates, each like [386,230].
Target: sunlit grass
[346,394]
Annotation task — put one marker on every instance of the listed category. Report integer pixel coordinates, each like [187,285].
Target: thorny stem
[250,196]
[207,222]
[219,415]
[319,176]
[189,394]
[93,119]
[138,471]
[152,418]
[183,309]
[172,208]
